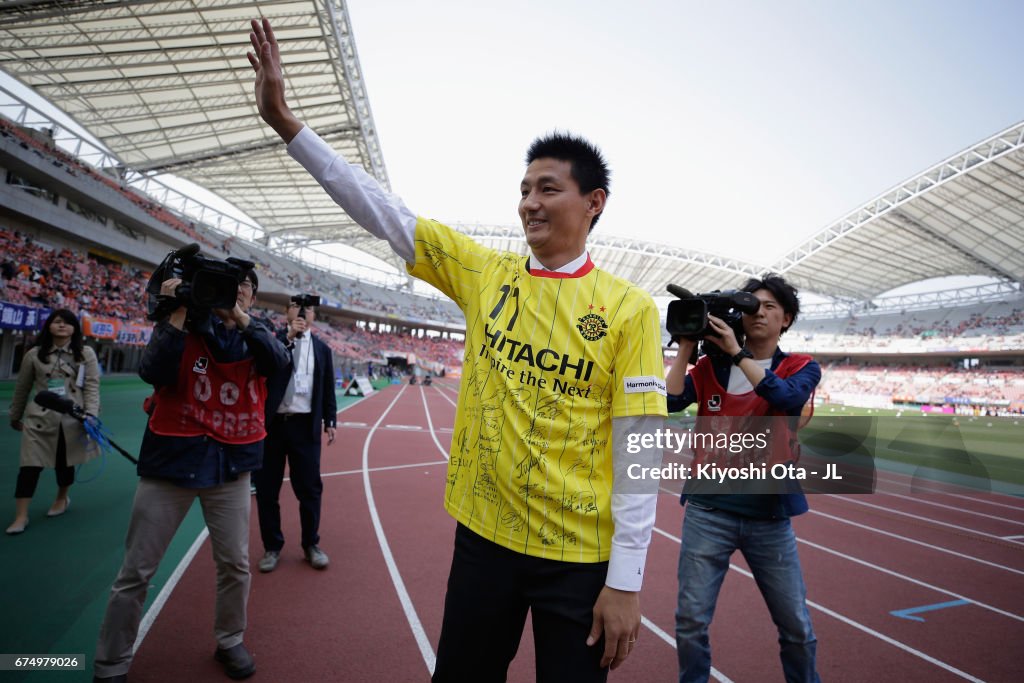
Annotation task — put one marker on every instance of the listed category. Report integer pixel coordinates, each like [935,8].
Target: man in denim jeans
[759,381]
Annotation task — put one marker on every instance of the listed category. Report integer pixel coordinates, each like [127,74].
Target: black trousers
[490,589]
[288,440]
[28,477]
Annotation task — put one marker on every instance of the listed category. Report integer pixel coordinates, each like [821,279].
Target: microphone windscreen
[188,251]
[681,292]
[55,402]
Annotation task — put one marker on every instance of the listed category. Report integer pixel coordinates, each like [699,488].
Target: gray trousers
[157,512]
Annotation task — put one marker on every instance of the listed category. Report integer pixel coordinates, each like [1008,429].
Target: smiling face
[556,216]
[766,324]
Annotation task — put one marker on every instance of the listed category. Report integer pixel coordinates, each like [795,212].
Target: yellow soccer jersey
[548,362]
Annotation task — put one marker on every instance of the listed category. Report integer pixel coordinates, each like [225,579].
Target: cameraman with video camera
[754,379]
[208,362]
[300,406]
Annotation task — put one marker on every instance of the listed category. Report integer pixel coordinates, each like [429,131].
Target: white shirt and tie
[299,394]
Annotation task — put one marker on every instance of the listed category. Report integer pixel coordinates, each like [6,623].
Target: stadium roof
[166,87]
[963,216]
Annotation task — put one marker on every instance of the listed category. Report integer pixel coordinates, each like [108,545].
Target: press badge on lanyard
[56,386]
[303,385]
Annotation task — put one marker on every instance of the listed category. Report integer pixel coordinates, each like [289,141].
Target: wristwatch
[743,353]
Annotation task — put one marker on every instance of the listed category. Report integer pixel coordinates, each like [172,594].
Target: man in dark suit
[300,403]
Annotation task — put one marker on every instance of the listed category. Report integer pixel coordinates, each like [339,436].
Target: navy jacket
[323,404]
[199,461]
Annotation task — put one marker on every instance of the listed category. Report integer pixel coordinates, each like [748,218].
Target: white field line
[900,575]
[860,627]
[915,541]
[851,499]
[149,618]
[165,593]
[926,489]
[430,423]
[658,631]
[426,650]
[961,509]
[379,469]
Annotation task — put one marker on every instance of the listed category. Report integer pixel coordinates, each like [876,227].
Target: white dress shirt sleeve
[378,211]
[634,504]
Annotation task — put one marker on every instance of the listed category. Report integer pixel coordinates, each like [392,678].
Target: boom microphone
[59,404]
[680,292]
[187,251]
[93,427]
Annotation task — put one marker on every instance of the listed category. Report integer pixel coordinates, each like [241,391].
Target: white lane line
[165,593]
[983,500]
[923,488]
[858,625]
[446,397]
[918,582]
[380,469]
[454,390]
[352,424]
[851,499]
[961,509]
[917,542]
[1013,538]
[414,428]
[149,618]
[426,650]
[430,424]
[656,630]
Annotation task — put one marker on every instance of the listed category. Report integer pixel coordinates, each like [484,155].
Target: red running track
[375,614]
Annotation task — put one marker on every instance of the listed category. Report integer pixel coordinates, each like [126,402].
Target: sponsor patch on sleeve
[644,384]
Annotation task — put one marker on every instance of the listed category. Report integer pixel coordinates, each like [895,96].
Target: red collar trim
[583,270]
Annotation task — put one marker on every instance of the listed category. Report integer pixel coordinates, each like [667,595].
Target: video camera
[205,283]
[305,301]
[688,315]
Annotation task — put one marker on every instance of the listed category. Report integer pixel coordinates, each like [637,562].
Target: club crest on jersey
[201,363]
[592,327]
[715,403]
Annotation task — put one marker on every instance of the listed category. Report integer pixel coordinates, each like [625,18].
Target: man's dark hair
[784,293]
[251,277]
[586,163]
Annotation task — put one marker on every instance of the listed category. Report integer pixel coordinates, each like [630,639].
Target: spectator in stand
[61,363]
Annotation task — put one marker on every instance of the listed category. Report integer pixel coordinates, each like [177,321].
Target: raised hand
[269,86]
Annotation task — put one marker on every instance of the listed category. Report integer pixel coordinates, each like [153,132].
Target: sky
[738,128]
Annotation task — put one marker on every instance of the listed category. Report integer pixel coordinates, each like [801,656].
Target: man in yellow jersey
[563,361]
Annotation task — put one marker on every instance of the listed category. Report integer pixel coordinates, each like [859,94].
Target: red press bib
[224,401]
[720,412]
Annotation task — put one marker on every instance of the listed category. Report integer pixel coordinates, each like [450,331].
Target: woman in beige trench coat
[61,363]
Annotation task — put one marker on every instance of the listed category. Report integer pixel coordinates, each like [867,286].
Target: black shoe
[316,557]
[237,661]
[119,678]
